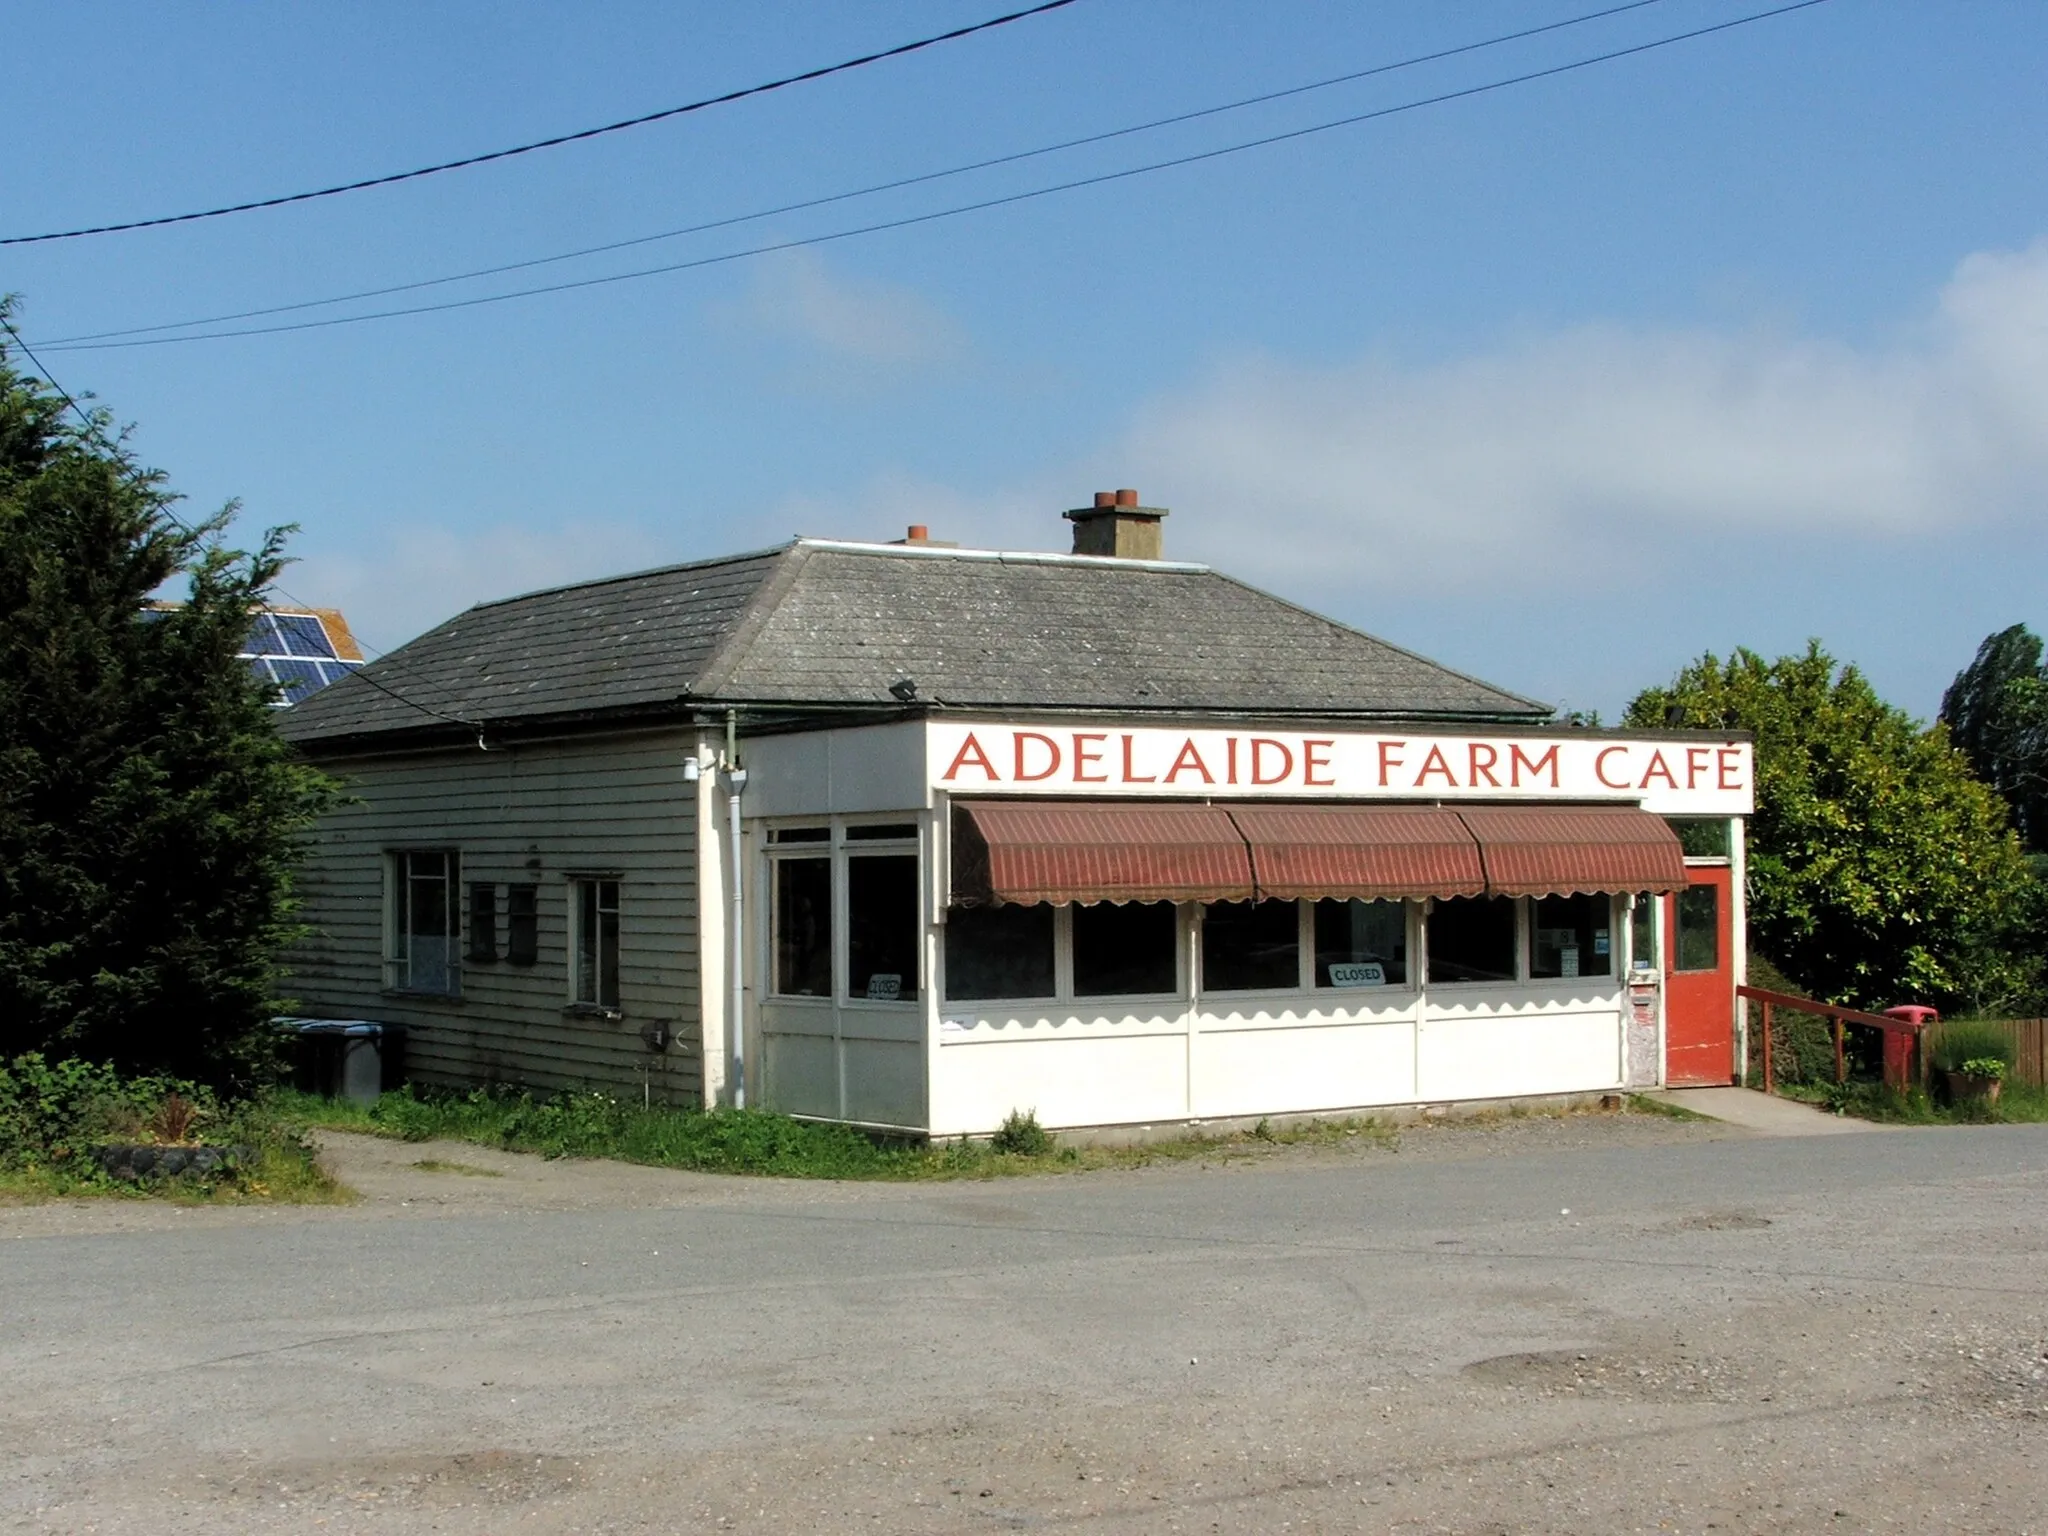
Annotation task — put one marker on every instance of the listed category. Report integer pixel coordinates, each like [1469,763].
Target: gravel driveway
[1587,1326]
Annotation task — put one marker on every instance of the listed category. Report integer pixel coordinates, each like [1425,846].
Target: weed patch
[752,1141]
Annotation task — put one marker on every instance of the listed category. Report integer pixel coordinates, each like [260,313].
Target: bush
[1020,1135]
[1962,1046]
[54,1112]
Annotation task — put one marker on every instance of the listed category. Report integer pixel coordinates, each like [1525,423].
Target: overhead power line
[550,143]
[868,191]
[912,220]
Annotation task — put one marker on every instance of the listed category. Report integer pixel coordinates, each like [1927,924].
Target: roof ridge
[1399,650]
[746,629]
[1001,556]
[652,570]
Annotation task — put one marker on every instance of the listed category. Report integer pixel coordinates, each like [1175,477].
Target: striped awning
[1366,851]
[1532,851]
[1026,851]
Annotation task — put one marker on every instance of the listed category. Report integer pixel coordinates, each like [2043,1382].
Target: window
[1472,938]
[1572,936]
[1642,933]
[483,922]
[424,924]
[522,924]
[1701,837]
[1002,951]
[1361,943]
[595,974]
[799,834]
[1251,946]
[1699,929]
[882,927]
[803,927]
[894,831]
[1119,950]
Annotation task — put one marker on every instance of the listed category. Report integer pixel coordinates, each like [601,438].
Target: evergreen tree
[150,815]
[1997,712]
[1881,870]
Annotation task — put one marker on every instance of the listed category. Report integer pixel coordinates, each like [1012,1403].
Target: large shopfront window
[1473,938]
[1251,946]
[882,927]
[1571,936]
[1008,951]
[1361,943]
[844,902]
[1126,950]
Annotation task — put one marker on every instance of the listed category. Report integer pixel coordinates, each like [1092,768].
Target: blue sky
[1735,342]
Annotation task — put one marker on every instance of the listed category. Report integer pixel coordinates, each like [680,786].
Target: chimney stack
[1117,526]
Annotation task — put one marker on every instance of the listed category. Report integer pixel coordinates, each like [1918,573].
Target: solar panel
[335,671]
[299,678]
[261,668]
[304,635]
[263,637]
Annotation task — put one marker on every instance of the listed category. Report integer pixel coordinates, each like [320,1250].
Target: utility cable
[550,143]
[912,220]
[872,190]
[93,429]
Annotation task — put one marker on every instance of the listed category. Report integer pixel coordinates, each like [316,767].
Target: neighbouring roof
[299,651]
[833,625]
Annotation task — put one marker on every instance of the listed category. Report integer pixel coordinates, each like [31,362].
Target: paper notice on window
[1601,944]
[1568,961]
[885,987]
[1365,973]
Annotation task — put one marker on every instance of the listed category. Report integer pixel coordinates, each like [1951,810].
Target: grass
[1643,1104]
[2018,1104]
[53,1114]
[762,1143]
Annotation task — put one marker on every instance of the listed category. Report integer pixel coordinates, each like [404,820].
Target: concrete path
[1760,1112]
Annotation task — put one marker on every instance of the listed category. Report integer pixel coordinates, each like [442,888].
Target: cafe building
[913,836]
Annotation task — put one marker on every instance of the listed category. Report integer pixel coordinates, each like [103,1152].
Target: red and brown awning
[1554,851]
[1026,851]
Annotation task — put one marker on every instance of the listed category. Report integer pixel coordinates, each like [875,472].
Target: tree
[1881,870]
[1996,711]
[150,815]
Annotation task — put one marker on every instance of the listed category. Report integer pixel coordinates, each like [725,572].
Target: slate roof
[831,625]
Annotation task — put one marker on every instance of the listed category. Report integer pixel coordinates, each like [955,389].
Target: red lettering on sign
[1313,759]
[1259,747]
[1730,767]
[1482,767]
[1131,775]
[1695,765]
[1390,759]
[1435,763]
[1083,757]
[1658,769]
[1189,759]
[1518,760]
[1600,768]
[1230,759]
[1052,749]
[971,755]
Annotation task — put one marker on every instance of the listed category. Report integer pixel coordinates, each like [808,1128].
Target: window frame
[575,883]
[838,845]
[398,959]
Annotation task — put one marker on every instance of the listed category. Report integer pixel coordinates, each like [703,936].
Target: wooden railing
[1902,1064]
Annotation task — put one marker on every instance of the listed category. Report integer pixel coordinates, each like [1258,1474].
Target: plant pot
[141,1160]
[1969,1088]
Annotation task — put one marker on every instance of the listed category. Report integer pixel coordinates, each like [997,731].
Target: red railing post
[1841,1070]
[1768,1070]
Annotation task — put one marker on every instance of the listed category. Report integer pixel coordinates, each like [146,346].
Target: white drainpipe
[735,785]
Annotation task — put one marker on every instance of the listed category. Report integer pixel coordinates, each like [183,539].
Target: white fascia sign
[1700,776]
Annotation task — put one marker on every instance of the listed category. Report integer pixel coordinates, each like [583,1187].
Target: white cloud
[1552,452]
[393,589]
[796,298]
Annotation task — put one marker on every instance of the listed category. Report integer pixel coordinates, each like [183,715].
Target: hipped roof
[831,626]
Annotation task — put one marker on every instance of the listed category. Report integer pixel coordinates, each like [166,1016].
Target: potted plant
[1974,1058]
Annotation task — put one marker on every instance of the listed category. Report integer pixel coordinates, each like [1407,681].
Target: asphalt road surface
[1629,1325]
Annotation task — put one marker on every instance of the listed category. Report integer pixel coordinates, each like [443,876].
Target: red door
[1699,986]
